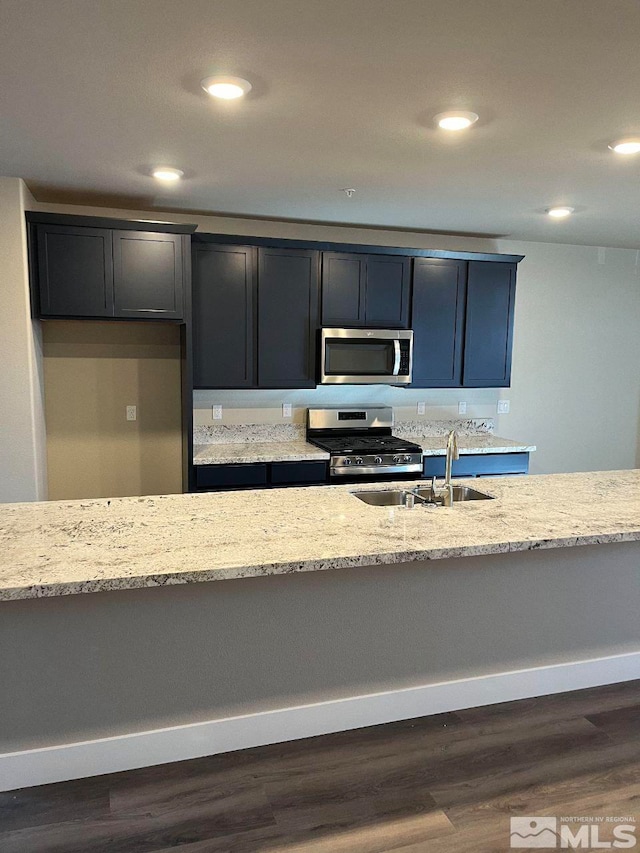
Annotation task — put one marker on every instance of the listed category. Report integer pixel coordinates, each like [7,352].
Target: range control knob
[407,458]
[397,460]
[378,460]
[359,460]
[346,461]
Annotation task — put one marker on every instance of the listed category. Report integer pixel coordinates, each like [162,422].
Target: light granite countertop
[271,451]
[468,444]
[300,450]
[62,548]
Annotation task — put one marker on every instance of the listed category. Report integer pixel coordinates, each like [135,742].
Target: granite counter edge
[37,591]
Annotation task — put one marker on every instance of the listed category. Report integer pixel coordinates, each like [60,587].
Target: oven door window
[359,357]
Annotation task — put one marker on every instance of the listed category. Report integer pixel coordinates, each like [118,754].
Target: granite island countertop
[63,548]
[301,451]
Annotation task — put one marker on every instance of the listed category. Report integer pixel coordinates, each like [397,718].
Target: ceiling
[93,93]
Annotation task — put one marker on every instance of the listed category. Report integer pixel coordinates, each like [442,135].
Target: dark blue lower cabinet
[210,477]
[298,473]
[479,465]
[260,474]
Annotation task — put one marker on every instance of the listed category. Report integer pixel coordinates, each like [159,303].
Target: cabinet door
[299,473]
[387,292]
[287,318]
[489,324]
[438,322]
[224,293]
[75,271]
[478,465]
[212,477]
[148,275]
[343,289]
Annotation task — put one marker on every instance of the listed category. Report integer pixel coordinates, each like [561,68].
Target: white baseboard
[160,746]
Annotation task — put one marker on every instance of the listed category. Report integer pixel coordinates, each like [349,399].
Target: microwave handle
[396,362]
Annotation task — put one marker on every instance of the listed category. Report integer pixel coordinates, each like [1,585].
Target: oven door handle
[396,362]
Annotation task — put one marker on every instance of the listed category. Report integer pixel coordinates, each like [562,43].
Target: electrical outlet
[421,408]
[503,407]
[462,408]
[286,410]
[216,413]
[132,413]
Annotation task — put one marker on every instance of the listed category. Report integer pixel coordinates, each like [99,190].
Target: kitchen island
[333,614]
[70,547]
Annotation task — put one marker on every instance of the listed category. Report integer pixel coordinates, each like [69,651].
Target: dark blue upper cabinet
[343,289]
[387,290]
[438,308]
[288,302]
[148,279]
[74,272]
[224,298]
[489,324]
[365,290]
[101,272]
[255,316]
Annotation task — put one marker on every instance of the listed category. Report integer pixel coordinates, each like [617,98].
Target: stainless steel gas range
[361,443]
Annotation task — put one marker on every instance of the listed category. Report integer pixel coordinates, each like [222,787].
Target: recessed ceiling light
[167,173]
[227,88]
[459,120]
[560,212]
[626,146]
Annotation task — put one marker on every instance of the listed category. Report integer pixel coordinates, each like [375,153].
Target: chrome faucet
[447,488]
[452,453]
[442,496]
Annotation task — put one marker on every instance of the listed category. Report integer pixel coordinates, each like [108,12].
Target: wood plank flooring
[441,784]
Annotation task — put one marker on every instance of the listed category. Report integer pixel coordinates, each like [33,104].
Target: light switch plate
[216,413]
[503,407]
[421,408]
[132,413]
[286,410]
[462,408]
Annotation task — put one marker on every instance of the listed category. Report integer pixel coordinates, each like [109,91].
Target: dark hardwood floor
[442,784]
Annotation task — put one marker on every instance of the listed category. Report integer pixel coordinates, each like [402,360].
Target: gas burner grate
[366,444]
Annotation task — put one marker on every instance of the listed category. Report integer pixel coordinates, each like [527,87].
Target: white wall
[22,435]
[576,367]
[576,361]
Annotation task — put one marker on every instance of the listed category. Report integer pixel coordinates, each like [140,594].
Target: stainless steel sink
[423,495]
[460,493]
[386,497]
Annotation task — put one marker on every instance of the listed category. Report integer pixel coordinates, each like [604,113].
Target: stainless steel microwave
[366,356]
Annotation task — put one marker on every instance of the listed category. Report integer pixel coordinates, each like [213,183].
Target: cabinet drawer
[298,472]
[229,476]
[475,465]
